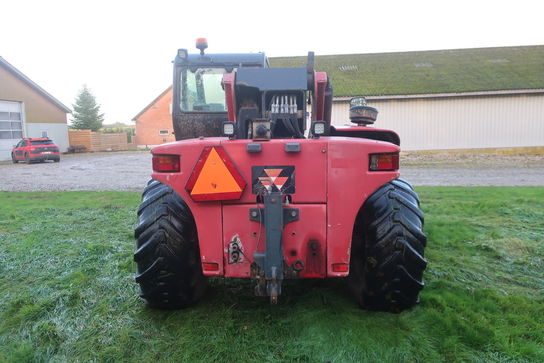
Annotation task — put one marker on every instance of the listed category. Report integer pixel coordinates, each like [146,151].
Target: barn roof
[17,73]
[152,103]
[435,71]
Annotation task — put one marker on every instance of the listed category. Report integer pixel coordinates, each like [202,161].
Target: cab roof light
[384,162]
[201,43]
[166,163]
[182,53]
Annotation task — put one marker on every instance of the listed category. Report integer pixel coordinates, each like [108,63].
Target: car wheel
[15,161]
[27,158]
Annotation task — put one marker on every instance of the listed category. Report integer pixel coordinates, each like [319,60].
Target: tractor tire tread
[389,229]
[167,254]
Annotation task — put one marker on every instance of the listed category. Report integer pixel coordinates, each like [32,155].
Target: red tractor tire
[387,263]
[167,254]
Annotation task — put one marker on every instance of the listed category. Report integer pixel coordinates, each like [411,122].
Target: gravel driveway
[131,171]
[122,170]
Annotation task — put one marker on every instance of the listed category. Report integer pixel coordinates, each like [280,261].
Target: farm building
[154,122]
[27,110]
[442,99]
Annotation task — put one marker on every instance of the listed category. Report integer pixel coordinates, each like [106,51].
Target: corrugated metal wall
[459,122]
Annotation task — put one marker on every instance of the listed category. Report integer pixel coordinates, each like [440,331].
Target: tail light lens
[384,162]
[340,267]
[166,163]
[210,266]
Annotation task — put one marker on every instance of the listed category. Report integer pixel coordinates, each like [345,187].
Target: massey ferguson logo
[277,178]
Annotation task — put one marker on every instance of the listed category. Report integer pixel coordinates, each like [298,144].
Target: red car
[39,149]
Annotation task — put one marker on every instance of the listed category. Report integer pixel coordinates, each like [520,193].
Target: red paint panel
[230,94]
[332,170]
[350,184]
[310,166]
[206,215]
[303,240]
[320,84]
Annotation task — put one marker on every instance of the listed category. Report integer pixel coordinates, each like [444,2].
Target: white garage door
[11,127]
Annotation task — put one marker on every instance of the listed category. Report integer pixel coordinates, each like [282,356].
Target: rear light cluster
[340,267]
[210,266]
[384,162]
[166,163]
[38,150]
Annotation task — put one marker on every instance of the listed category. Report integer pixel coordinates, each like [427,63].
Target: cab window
[201,90]
[42,142]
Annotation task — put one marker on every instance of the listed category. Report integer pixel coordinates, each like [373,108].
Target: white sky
[123,49]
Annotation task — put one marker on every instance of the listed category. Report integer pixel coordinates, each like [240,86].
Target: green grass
[67,291]
[435,71]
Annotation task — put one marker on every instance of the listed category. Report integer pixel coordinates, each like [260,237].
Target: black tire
[56,160]
[15,161]
[27,158]
[167,254]
[387,263]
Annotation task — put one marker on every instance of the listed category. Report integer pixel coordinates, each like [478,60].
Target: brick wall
[153,119]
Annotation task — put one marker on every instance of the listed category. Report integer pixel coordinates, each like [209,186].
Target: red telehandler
[247,191]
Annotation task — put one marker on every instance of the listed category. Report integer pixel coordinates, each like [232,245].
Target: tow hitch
[270,265]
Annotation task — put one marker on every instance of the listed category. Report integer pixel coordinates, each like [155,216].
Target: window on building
[11,125]
[163,132]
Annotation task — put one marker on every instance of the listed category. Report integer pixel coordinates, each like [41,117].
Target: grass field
[67,291]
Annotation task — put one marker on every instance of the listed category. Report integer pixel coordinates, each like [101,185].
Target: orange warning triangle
[215,177]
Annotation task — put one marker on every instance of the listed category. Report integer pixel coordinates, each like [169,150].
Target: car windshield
[41,142]
[201,90]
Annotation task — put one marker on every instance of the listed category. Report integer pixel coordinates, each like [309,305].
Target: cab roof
[224,60]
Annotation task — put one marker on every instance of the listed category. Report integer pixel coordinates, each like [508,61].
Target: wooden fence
[87,140]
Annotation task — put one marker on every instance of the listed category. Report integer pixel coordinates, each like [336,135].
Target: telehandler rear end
[248,192]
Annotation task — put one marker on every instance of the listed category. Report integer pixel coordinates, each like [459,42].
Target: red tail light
[340,267]
[384,162]
[166,163]
[210,266]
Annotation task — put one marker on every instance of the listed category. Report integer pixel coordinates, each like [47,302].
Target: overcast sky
[123,50]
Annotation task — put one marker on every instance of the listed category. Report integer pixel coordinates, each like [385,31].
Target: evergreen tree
[86,114]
